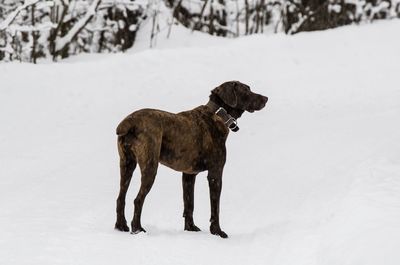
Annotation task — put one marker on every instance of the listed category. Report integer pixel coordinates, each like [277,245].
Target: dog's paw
[217,231]
[121,227]
[220,233]
[192,228]
[137,230]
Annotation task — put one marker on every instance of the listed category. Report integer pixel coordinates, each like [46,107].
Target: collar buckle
[229,121]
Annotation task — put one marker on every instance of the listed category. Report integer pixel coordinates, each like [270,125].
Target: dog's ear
[227,93]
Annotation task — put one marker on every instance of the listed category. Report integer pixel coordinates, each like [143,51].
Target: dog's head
[237,98]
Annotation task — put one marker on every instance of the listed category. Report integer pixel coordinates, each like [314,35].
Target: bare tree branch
[198,23]
[54,33]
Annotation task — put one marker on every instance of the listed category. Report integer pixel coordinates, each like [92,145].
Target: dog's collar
[229,121]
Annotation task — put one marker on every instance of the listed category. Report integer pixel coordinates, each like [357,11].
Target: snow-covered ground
[312,179]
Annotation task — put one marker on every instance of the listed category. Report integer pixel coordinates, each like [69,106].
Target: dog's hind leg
[188,181]
[148,156]
[127,166]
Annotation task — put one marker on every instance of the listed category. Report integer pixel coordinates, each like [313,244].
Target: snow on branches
[59,28]
[31,29]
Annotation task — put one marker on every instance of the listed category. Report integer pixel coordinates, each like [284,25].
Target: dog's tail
[125,126]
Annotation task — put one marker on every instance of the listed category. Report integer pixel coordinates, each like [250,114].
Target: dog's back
[143,118]
[175,138]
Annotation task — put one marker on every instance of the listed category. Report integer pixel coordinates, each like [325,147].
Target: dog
[189,142]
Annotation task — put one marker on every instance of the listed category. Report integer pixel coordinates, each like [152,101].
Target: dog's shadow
[154,231]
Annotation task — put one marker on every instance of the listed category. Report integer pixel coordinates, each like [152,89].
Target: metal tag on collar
[230,122]
[221,110]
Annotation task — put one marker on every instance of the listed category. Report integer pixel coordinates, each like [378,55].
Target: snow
[25,28]
[314,178]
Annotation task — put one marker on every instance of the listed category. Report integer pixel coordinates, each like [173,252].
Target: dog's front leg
[215,185]
[188,181]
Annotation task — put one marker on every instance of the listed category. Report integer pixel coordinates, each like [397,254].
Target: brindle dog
[190,142]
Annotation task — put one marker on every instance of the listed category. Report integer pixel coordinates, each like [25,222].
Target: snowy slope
[312,179]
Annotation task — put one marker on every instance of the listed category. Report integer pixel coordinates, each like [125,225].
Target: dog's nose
[264,101]
[258,103]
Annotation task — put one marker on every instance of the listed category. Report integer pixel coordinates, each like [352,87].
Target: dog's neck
[229,121]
